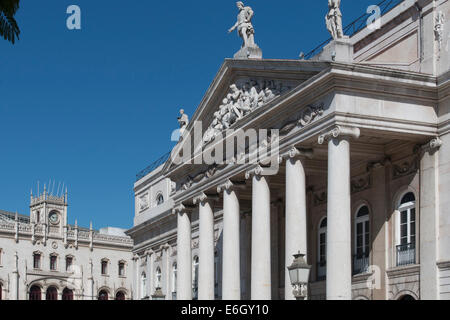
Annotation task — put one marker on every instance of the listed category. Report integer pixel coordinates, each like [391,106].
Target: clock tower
[49,210]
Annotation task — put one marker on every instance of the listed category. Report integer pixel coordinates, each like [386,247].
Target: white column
[231,277]
[206,248]
[184,254]
[429,220]
[296,226]
[339,266]
[260,265]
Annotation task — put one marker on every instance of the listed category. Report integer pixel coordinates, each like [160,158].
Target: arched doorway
[35,293]
[407,297]
[120,295]
[52,294]
[67,294]
[103,295]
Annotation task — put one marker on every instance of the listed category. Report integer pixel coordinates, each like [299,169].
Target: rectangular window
[121,269]
[53,263]
[104,267]
[36,261]
[69,261]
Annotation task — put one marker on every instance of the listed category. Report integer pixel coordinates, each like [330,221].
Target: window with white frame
[143,285]
[406,230]
[362,240]
[362,232]
[158,278]
[53,262]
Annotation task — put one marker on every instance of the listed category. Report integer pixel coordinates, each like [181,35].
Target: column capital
[433,145]
[149,252]
[181,208]
[203,197]
[230,185]
[257,171]
[297,153]
[340,132]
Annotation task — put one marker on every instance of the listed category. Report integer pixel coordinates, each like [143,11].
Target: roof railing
[357,25]
[153,166]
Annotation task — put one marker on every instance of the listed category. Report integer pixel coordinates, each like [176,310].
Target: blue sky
[93,107]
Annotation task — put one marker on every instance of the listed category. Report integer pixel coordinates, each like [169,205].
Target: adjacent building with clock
[42,257]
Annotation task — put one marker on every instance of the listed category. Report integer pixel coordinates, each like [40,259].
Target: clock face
[53,217]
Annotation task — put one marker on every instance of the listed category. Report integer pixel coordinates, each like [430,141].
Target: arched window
[322,250]
[52,294]
[406,230]
[35,293]
[195,278]
[159,199]
[158,278]
[174,278]
[103,295]
[120,295]
[143,285]
[407,297]
[362,240]
[67,294]
[38,217]
[104,267]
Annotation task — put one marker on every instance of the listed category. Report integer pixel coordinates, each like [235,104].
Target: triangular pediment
[240,88]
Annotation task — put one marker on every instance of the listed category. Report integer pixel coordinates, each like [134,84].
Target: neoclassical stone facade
[42,257]
[360,134]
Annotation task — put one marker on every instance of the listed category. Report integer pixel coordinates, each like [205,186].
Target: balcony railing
[360,263]
[321,270]
[406,254]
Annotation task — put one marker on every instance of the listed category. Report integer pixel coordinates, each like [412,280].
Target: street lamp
[158,295]
[299,274]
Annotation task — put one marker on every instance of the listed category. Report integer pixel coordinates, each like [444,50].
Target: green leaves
[9,29]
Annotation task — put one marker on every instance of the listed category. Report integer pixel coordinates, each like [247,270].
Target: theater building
[361,130]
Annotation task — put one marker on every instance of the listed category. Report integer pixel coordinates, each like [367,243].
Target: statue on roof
[246,31]
[334,19]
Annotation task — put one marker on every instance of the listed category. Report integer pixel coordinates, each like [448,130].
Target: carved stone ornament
[200,198]
[307,116]
[439,31]
[244,97]
[228,185]
[405,168]
[340,131]
[143,202]
[361,183]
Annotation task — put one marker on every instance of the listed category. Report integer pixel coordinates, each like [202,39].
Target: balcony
[360,263]
[406,254]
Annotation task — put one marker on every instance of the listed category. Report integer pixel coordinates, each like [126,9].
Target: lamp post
[158,295]
[299,272]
